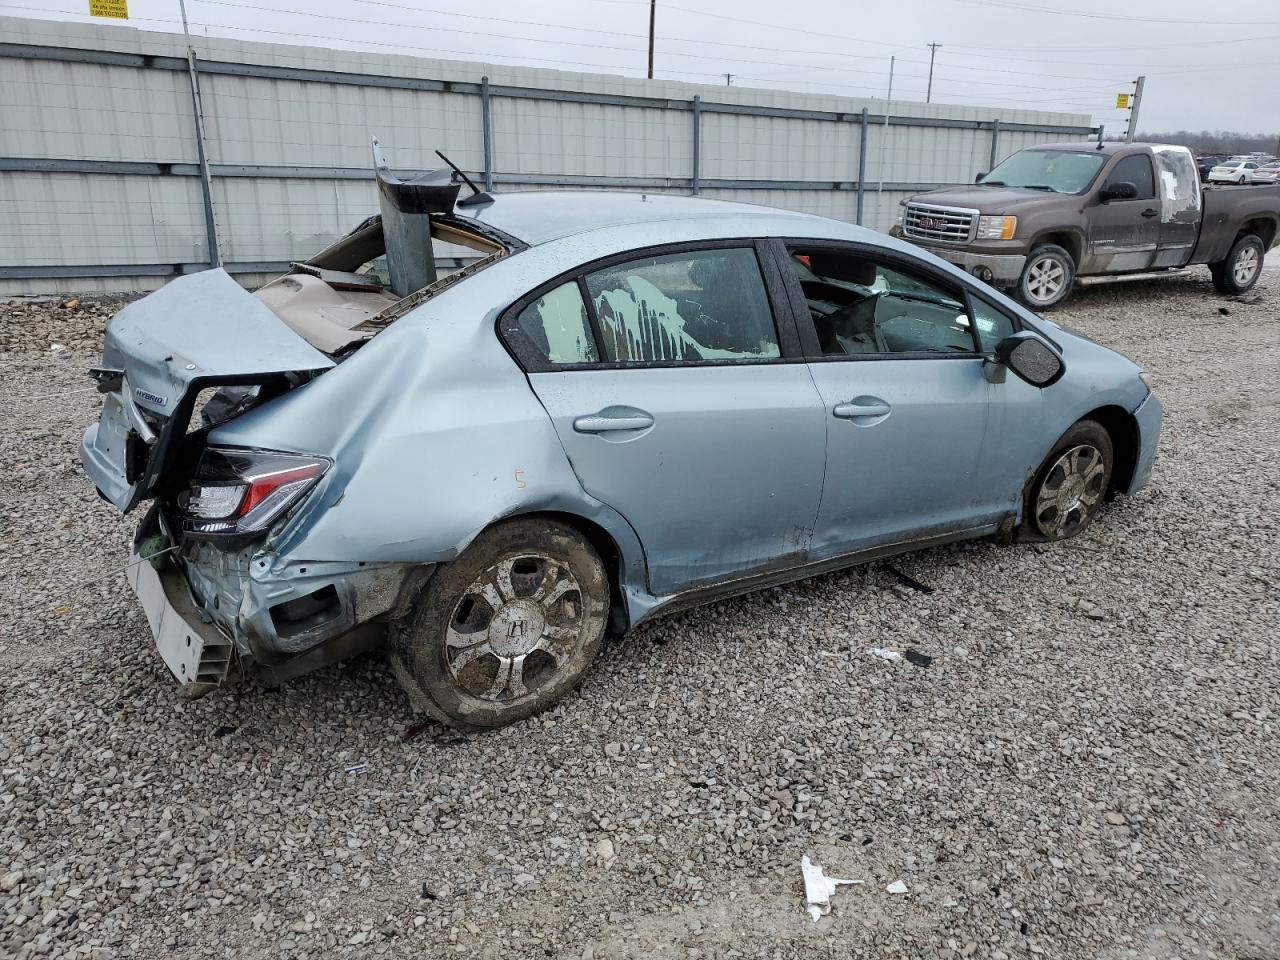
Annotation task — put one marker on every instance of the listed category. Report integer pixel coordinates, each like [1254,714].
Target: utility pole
[933,49]
[653,14]
[728,79]
[884,137]
[1133,111]
[206,181]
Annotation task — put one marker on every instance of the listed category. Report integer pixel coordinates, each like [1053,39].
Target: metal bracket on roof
[406,207]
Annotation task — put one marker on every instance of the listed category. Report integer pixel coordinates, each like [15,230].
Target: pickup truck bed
[1230,209]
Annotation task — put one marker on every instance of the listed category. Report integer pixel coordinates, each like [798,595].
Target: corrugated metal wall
[290,149]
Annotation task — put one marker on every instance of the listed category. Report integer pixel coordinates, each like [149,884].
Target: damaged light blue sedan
[626,404]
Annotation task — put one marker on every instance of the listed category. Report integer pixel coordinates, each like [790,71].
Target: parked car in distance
[1267,173]
[1206,163]
[632,404]
[1049,214]
[1233,171]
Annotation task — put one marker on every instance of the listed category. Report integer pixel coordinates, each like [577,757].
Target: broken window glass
[557,325]
[700,306]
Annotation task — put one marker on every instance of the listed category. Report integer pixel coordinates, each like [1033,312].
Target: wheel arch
[1069,240]
[1122,428]
[1264,228]
[615,561]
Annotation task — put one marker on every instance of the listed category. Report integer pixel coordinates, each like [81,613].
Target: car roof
[539,216]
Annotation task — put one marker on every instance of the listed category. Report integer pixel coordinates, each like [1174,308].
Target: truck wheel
[1046,277]
[1239,271]
[1070,485]
[507,629]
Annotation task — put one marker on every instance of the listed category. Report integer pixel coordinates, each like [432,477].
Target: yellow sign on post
[1122,100]
[118,9]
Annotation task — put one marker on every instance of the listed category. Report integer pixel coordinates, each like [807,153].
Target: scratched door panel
[725,480]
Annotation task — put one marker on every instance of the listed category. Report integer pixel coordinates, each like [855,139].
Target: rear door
[1123,234]
[682,403]
[198,331]
[893,353]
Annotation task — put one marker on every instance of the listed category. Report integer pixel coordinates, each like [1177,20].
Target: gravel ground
[1087,769]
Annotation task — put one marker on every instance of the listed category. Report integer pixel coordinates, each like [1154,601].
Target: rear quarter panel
[1226,209]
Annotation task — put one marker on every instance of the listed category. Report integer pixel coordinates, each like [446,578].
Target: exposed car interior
[859,306]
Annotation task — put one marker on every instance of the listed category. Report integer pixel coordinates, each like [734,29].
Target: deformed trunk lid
[202,330]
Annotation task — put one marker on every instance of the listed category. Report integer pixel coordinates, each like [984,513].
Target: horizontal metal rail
[266,171]
[167,270]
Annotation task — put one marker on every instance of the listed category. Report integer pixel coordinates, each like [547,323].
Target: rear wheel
[1046,277]
[1070,485]
[1240,269]
[508,628]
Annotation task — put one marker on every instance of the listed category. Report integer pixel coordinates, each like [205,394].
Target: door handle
[861,408]
[1150,212]
[607,421]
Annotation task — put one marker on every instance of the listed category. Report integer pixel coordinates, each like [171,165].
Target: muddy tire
[1070,486]
[1046,277]
[507,629]
[1240,269]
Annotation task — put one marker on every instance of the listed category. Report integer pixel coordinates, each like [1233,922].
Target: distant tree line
[1218,141]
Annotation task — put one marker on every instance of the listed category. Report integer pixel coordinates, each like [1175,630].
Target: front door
[683,413]
[896,362]
[1123,234]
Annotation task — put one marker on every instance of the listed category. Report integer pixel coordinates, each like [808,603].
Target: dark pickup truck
[1051,213]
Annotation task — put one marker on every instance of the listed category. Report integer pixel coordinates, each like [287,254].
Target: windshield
[1061,171]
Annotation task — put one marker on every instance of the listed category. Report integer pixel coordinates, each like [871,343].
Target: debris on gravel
[1087,769]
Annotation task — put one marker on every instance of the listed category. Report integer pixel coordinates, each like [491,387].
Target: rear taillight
[239,492]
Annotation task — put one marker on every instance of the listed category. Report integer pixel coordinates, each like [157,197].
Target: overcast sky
[1202,72]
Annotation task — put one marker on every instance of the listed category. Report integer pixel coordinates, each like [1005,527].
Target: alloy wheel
[1246,266]
[1071,488]
[1045,279]
[515,629]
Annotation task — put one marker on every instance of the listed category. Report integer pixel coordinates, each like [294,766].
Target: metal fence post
[206,180]
[995,140]
[697,144]
[486,116]
[862,164]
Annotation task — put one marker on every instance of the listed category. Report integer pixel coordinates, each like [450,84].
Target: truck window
[1135,169]
[1059,171]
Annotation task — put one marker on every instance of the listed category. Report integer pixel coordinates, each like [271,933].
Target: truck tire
[1046,277]
[507,629]
[1240,269]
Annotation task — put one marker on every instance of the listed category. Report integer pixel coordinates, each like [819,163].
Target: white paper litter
[896,887]
[884,654]
[818,888]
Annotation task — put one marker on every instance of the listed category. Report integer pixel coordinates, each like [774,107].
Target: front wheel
[508,628]
[1070,485]
[1240,269]
[1046,277]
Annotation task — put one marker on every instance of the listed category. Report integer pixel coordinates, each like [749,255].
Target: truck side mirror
[1124,190]
[1030,358]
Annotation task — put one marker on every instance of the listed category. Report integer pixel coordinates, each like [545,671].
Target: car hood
[986,199]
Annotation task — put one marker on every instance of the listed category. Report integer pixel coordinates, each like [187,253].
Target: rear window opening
[341,297]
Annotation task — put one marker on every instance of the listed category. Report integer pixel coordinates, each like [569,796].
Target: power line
[1058,12]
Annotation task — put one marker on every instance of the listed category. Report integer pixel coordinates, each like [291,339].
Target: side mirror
[1124,190]
[1030,358]
[978,178]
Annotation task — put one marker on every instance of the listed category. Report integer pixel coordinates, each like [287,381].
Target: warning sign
[1122,100]
[119,9]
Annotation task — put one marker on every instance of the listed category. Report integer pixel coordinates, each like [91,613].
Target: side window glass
[557,325]
[1135,169]
[991,325]
[859,306]
[703,306]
